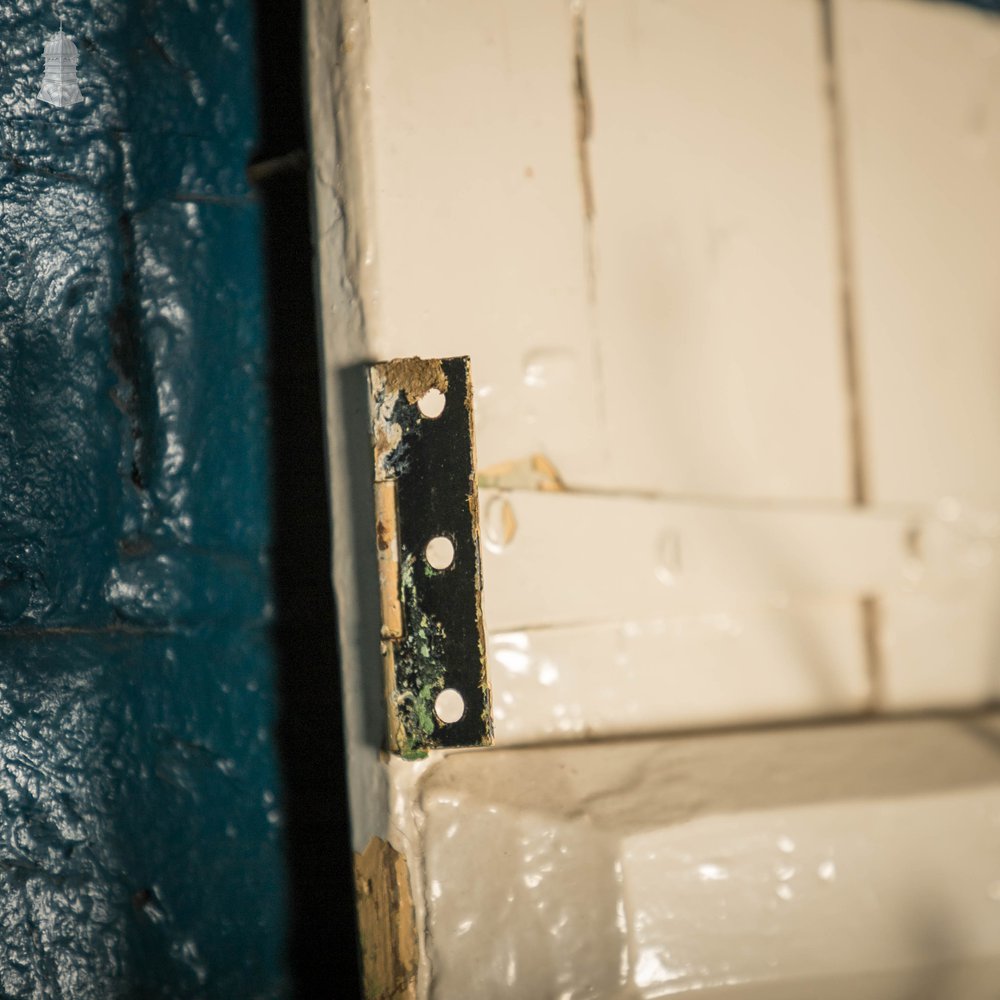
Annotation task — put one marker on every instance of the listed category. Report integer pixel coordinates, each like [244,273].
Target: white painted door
[729,275]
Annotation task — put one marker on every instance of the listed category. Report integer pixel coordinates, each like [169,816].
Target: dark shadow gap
[322,937]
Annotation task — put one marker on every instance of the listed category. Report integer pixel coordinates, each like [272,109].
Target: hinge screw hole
[449,706]
[440,552]
[431,404]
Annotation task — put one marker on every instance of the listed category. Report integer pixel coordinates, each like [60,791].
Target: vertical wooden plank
[939,630]
[921,89]
[715,248]
[479,224]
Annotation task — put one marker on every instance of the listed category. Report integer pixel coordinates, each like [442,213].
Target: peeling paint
[406,380]
[535,472]
[414,377]
[387,544]
[386,921]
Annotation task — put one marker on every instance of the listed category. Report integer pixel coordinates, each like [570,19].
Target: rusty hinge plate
[427,533]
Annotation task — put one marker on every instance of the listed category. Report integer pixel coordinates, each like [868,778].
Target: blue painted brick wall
[140,823]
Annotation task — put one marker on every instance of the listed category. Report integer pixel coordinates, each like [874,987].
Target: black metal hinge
[427,534]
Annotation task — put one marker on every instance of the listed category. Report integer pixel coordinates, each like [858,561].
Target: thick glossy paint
[649,223]
[140,825]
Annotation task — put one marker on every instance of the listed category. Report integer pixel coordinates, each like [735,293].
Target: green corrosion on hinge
[419,668]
